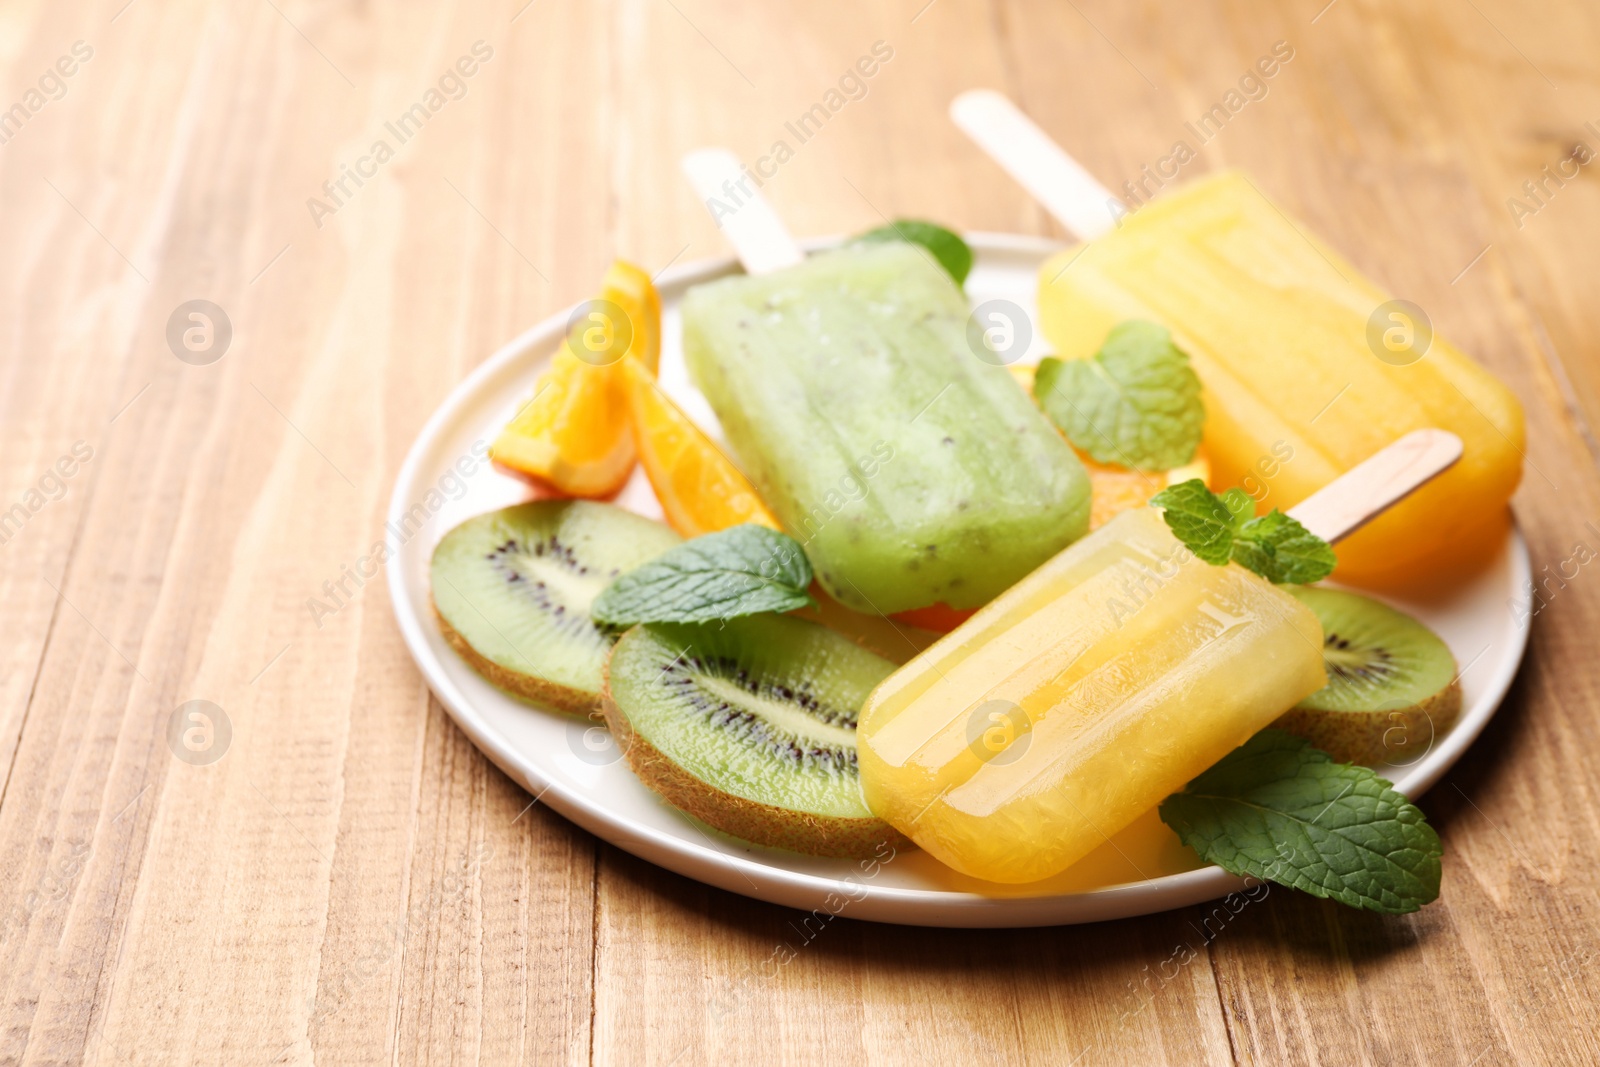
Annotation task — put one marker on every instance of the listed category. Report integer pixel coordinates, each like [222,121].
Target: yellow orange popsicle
[1307,366]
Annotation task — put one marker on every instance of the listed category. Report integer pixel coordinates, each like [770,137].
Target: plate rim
[784,886]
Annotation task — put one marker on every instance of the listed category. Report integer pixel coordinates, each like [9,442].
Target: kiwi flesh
[512,590]
[1392,686]
[749,726]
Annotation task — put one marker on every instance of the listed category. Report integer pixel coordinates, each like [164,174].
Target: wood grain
[352,881]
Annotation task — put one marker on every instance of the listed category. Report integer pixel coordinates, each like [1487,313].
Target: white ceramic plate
[573,767]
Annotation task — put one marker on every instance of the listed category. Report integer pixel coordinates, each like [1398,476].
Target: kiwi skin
[526,686]
[751,820]
[1370,737]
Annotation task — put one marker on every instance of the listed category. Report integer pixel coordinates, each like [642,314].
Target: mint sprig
[1220,528]
[947,247]
[1281,550]
[1135,403]
[1280,810]
[743,570]
[1199,518]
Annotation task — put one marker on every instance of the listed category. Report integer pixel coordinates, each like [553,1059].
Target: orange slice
[1023,373]
[699,488]
[940,618]
[630,288]
[1117,489]
[572,438]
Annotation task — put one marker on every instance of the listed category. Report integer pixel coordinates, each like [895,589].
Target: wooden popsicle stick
[1377,483]
[1059,182]
[729,193]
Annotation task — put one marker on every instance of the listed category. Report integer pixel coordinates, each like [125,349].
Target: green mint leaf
[1281,550]
[1199,518]
[1220,528]
[1255,556]
[1280,810]
[1239,505]
[947,247]
[1135,404]
[743,570]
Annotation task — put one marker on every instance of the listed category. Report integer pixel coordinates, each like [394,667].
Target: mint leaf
[1198,518]
[1136,403]
[1281,550]
[743,570]
[947,247]
[1220,528]
[1239,505]
[1280,810]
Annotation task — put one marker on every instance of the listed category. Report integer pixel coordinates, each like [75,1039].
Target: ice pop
[1306,365]
[914,472]
[1101,684]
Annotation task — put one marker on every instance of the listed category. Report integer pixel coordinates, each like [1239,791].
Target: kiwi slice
[1392,686]
[512,590]
[750,727]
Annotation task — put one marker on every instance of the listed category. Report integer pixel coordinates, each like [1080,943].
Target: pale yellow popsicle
[1099,684]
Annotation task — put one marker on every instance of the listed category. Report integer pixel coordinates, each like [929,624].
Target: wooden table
[352,881]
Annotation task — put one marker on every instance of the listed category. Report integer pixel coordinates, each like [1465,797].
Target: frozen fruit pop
[1101,684]
[1307,366]
[913,472]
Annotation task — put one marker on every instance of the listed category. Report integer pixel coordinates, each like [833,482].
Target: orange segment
[573,438]
[1023,373]
[573,435]
[630,288]
[699,488]
[1117,489]
[939,618]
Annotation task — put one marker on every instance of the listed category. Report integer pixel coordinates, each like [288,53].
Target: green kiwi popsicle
[913,471]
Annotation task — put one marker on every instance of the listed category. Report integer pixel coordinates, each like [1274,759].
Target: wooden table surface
[351,881]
